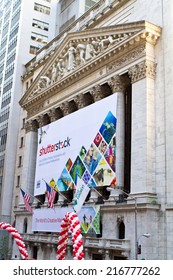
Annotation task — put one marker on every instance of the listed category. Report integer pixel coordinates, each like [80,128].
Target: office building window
[40,24]
[89,4]
[1,183]
[10,59]
[23,123]
[6,101]
[65,4]
[4,116]
[67,23]
[16,201]
[41,9]
[39,38]
[33,49]
[20,161]
[3,139]
[1,165]
[18,181]
[21,142]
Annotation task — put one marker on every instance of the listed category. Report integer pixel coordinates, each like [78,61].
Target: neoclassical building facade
[118,47]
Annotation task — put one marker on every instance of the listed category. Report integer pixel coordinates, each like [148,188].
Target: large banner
[49,219]
[82,144]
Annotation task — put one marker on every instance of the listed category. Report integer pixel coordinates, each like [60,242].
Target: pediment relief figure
[74,55]
[81,48]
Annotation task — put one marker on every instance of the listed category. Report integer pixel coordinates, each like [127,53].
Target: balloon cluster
[70,223]
[16,235]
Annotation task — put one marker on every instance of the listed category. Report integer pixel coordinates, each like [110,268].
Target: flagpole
[55,190]
[32,196]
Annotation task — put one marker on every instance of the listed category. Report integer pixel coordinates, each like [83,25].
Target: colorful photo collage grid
[97,165]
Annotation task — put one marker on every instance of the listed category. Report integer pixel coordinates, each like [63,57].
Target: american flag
[26,199]
[51,193]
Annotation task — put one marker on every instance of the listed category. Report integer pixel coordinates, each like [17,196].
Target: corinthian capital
[142,70]
[65,108]
[30,126]
[40,120]
[117,83]
[52,114]
[80,101]
[97,93]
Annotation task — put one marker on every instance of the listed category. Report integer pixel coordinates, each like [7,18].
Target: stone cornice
[123,207]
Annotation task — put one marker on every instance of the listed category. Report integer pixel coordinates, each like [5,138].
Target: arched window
[25,225]
[121,230]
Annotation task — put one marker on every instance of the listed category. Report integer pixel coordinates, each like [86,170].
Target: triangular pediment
[78,49]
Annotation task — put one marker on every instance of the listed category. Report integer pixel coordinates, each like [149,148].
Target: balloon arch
[70,223]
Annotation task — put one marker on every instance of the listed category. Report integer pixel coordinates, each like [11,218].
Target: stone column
[69,253]
[118,84]
[106,255]
[40,251]
[53,252]
[29,159]
[143,127]
[86,252]
[29,249]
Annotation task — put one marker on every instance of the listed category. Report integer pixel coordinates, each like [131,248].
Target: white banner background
[49,219]
[80,127]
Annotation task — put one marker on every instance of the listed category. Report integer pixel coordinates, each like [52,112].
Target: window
[39,38]
[4,116]
[11,58]
[89,4]
[23,123]
[18,181]
[14,32]
[16,201]
[33,49]
[20,161]
[21,142]
[25,225]
[67,23]
[1,182]
[41,9]
[6,101]
[40,24]
[3,139]
[121,230]
[65,4]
